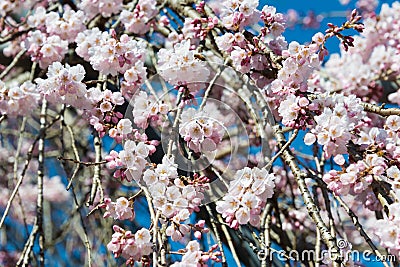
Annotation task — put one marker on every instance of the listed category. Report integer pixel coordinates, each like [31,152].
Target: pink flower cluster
[146,109]
[301,61]
[200,130]
[175,198]
[139,20]
[295,111]
[101,114]
[247,56]
[110,55]
[237,46]
[238,14]
[122,209]
[355,180]
[274,22]
[178,228]
[64,85]
[341,115]
[389,235]
[198,28]
[130,246]
[293,78]
[195,257]
[45,49]
[67,27]
[375,54]
[247,195]
[18,99]
[130,161]
[105,8]
[179,66]
[194,29]
[378,164]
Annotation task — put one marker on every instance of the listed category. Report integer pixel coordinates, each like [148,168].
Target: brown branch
[265,235]
[12,64]
[24,258]
[284,147]
[96,175]
[70,185]
[83,162]
[313,211]
[380,110]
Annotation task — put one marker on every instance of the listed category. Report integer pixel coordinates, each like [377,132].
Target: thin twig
[76,154]
[155,231]
[360,228]
[25,168]
[70,185]
[210,85]
[299,176]
[284,147]
[83,162]
[12,64]
[265,223]
[24,258]
[216,233]
[96,175]
[15,168]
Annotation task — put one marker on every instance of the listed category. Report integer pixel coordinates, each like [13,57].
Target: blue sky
[319,7]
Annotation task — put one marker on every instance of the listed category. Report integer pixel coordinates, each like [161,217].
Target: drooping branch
[96,176]
[313,211]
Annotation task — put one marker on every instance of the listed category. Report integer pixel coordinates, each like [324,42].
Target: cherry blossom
[18,99]
[67,26]
[179,66]
[238,14]
[65,84]
[147,110]
[341,115]
[390,234]
[201,130]
[121,209]
[172,197]
[246,197]
[131,161]
[110,55]
[195,257]
[45,49]
[139,19]
[130,246]
[105,7]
